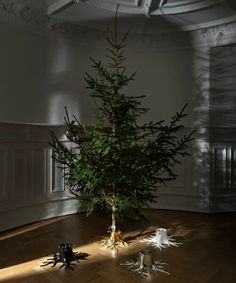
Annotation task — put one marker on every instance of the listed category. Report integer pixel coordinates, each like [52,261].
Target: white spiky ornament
[161,239]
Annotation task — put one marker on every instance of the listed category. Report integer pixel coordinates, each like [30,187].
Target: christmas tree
[117,164]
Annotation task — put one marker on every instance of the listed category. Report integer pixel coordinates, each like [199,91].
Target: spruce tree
[117,164]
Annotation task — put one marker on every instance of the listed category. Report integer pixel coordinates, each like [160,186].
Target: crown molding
[180,7]
[15,13]
[59,5]
[13,10]
[203,38]
[33,21]
[153,7]
[224,34]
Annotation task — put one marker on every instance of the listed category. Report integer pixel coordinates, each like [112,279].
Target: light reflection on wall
[200,147]
[57,108]
[64,83]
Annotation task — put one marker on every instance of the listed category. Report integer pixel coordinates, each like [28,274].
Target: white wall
[41,72]
[166,78]
[39,76]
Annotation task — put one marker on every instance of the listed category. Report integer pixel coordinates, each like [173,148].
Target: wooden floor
[207,253]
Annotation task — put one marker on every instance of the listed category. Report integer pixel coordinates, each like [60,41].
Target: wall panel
[4,184]
[31,185]
[39,170]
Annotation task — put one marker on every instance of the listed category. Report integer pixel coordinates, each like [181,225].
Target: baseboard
[190,203]
[29,214]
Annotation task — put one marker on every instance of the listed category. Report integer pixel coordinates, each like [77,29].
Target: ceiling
[149,16]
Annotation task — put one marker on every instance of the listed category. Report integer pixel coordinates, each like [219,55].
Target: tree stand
[115,240]
[145,265]
[161,239]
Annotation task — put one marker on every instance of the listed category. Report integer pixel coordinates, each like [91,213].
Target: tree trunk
[115,235]
[113,217]
[113,220]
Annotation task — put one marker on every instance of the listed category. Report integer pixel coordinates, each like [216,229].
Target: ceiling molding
[125,6]
[59,5]
[180,7]
[154,7]
[215,36]
[15,8]
[129,6]
[14,12]
[210,24]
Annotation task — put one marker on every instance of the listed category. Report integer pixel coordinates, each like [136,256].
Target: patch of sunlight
[33,267]
[31,227]
[96,253]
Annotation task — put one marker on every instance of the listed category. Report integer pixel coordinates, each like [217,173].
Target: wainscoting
[206,180]
[31,185]
[222,188]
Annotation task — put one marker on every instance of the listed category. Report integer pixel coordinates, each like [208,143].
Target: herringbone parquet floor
[207,253]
